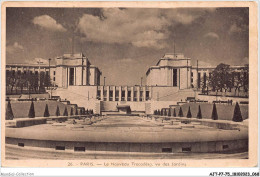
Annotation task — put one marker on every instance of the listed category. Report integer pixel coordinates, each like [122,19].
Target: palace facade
[171,80]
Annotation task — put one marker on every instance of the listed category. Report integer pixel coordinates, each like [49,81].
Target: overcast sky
[123,43]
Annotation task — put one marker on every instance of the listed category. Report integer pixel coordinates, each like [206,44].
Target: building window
[204,78]
[53,78]
[174,77]
[141,96]
[123,95]
[60,148]
[105,95]
[135,95]
[79,149]
[71,76]
[186,149]
[128,95]
[117,95]
[110,95]
[21,144]
[191,74]
[147,95]
[55,72]
[198,80]
[98,94]
[168,150]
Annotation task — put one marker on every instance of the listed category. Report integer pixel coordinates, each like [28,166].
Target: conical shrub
[87,112]
[71,112]
[46,111]
[189,113]
[65,113]
[9,112]
[199,115]
[237,117]
[180,112]
[57,111]
[214,115]
[174,112]
[154,112]
[31,113]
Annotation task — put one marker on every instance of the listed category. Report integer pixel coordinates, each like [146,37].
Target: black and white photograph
[128,83]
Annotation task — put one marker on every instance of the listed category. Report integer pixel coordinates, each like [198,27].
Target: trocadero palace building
[170,81]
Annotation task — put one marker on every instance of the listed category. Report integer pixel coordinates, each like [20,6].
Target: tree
[21,81]
[87,112]
[237,82]
[246,78]
[189,113]
[42,81]
[31,113]
[46,111]
[241,80]
[221,78]
[11,80]
[9,112]
[199,115]
[65,113]
[180,112]
[204,82]
[155,112]
[214,115]
[237,117]
[57,111]
[47,80]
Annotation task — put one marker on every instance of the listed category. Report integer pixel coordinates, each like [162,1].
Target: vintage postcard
[129,84]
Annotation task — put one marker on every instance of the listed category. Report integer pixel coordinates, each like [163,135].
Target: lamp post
[39,62]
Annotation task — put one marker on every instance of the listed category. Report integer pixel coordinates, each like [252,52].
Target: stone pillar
[120,93]
[138,93]
[114,93]
[102,93]
[132,93]
[107,93]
